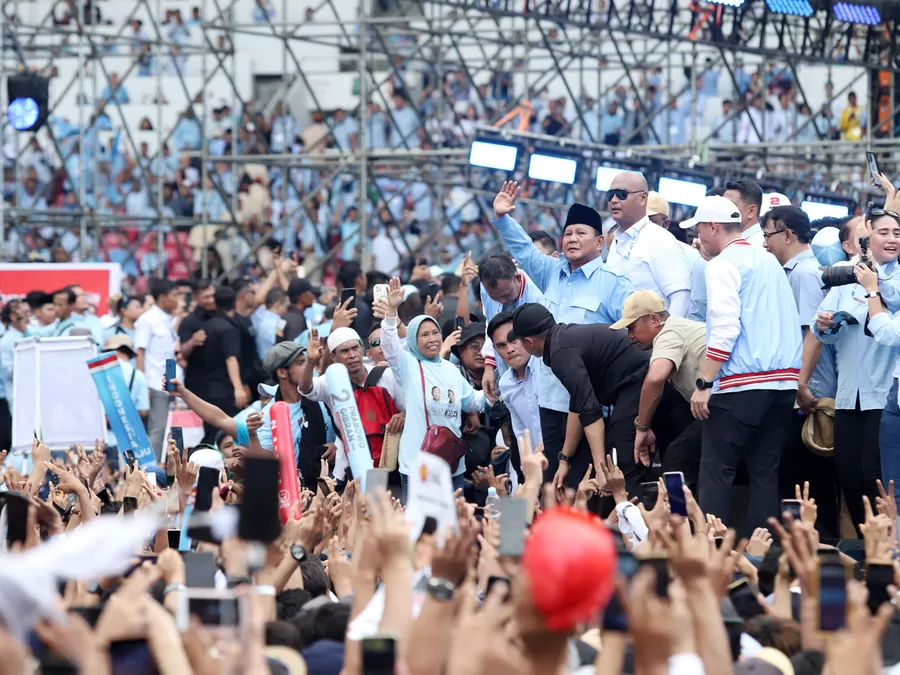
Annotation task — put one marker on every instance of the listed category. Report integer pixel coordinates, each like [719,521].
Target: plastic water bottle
[492,504]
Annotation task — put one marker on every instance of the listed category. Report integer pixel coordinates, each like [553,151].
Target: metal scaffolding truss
[585,51]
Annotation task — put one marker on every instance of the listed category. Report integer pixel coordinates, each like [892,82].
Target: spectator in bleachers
[263,12]
[724,126]
[710,80]
[611,124]
[195,18]
[554,123]
[30,194]
[376,127]
[187,134]
[115,91]
[346,131]
[782,122]
[406,130]
[852,119]
[751,121]
[314,135]
[634,129]
[119,253]
[182,201]
[137,199]
[284,129]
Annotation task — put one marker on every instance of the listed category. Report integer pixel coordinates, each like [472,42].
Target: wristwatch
[298,553]
[639,426]
[563,457]
[703,384]
[873,294]
[440,589]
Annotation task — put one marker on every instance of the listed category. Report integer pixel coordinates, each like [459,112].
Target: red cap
[570,559]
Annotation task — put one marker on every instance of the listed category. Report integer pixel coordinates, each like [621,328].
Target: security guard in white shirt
[645,253]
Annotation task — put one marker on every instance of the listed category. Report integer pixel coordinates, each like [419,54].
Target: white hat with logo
[713,210]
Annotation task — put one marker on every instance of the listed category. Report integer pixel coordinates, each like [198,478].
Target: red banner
[99,280]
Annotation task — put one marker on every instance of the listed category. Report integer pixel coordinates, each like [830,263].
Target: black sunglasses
[375,343]
[621,193]
[877,213]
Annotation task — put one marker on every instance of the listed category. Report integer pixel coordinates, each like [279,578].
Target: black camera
[844,275]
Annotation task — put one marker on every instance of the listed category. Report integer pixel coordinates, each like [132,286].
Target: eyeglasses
[375,343]
[768,235]
[621,193]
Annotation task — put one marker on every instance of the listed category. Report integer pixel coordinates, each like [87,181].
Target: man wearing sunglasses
[577,288]
[748,379]
[648,255]
[787,234]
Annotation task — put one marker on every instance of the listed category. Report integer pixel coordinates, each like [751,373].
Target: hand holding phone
[874,170]
[674,481]
[170,374]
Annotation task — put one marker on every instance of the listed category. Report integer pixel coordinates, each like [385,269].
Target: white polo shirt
[651,258]
[154,332]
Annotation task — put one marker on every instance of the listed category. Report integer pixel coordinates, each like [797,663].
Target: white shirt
[320,391]
[651,258]
[754,235]
[521,397]
[154,332]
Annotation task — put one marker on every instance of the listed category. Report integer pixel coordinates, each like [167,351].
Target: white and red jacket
[752,323]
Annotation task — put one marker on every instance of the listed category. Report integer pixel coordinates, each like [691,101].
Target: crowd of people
[306,213]
[599,382]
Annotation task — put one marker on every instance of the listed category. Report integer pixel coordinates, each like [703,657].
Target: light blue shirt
[590,294]
[90,322]
[404,128]
[806,283]
[521,397]
[864,367]
[885,327]
[7,359]
[298,424]
[376,125]
[343,130]
[266,329]
[697,266]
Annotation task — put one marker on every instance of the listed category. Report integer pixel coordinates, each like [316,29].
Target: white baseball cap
[714,210]
[771,200]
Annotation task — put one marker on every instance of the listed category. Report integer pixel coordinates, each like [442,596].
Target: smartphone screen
[178,437]
[173,537]
[675,488]
[221,612]
[16,506]
[742,596]
[513,521]
[346,294]
[433,290]
[460,322]
[791,506]
[832,596]
[207,481]
[649,495]
[199,569]
[877,579]
[872,161]
[325,486]
[661,567]
[259,518]
[170,374]
[375,479]
[130,459]
[379,654]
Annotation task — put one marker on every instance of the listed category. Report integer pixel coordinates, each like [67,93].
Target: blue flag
[121,412]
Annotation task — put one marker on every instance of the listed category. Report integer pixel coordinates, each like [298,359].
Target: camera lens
[837,275]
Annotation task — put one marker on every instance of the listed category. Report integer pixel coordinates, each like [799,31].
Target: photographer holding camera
[864,366]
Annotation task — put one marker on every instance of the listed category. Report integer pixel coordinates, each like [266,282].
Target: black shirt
[295,324]
[206,374]
[251,368]
[595,365]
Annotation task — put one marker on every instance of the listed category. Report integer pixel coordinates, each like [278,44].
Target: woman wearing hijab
[449,395]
